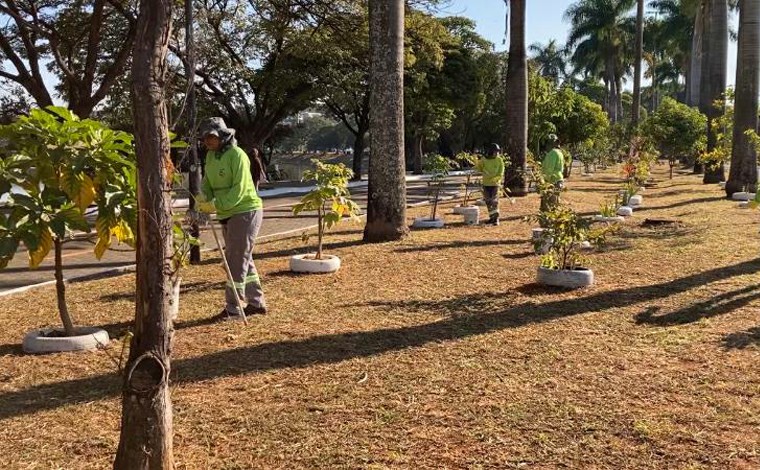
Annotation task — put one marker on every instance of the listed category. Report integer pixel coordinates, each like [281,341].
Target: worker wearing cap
[553,168]
[492,169]
[228,190]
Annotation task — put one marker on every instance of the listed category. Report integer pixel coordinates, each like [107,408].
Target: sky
[545,22]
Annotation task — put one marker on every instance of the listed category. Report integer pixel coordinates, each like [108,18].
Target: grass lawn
[436,352]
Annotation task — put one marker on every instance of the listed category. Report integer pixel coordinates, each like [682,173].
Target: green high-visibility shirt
[553,166]
[492,170]
[229,184]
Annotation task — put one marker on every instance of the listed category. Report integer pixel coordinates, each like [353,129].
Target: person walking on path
[228,190]
[553,171]
[492,169]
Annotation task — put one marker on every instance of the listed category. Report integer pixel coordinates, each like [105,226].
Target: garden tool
[205,219]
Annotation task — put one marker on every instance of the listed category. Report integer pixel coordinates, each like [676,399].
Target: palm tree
[639,57]
[678,39]
[602,32]
[744,156]
[550,60]
[517,100]
[386,204]
[713,80]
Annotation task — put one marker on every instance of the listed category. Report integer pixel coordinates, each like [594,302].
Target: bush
[677,130]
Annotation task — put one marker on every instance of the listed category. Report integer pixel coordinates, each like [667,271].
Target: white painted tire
[569,279]
[425,222]
[722,185]
[625,211]
[609,220]
[636,201]
[744,205]
[743,196]
[87,339]
[460,210]
[471,215]
[308,265]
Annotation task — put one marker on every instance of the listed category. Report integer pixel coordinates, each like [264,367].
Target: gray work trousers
[240,232]
[491,197]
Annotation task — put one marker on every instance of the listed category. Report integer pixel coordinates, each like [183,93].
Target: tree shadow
[460,244]
[11,350]
[690,202]
[467,316]
[185,288]
[715,306]
[742,339]
[516,256]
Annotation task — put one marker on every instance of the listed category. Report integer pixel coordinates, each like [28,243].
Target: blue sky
[545,22]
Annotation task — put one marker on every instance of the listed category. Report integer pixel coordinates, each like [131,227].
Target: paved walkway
[80,262]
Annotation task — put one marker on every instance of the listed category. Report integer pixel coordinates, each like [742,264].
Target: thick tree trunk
[612,110]
[517,102]
[713,86]
[146,425]
[60,290]
[359,147]
[619,96]
[419,141]
[743,173]
[695,63]
[386,204]
[636,112]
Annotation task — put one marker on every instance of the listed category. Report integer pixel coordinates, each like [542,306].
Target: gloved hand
[206,207]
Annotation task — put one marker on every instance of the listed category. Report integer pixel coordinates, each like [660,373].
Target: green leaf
[45,244]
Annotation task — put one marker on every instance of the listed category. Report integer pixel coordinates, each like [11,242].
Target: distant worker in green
[553,169]
[492,169]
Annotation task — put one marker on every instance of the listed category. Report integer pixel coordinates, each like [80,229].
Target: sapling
[437,166]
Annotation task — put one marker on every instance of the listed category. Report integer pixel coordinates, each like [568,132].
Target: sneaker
[226,315]
[251,310]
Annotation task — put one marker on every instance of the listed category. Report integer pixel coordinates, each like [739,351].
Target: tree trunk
[517,102]
[612,110]
[713,86]
[695,63]
[194,183]
[636,112]
[60,290]
[146,424]
[358,154]
[419,141]
[386,202]
[619,96]
[743,173]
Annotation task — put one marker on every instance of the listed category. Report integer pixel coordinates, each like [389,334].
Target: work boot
[251,310]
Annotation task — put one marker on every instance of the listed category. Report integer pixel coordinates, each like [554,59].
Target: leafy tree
[85,44]
[63,165]
[677,130]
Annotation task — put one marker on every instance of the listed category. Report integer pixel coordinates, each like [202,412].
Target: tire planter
[425,222]
[567,278]
[635,201]
[471,215]
[87,339]
[308,264]
[743,196]
[744,205]
[625,211]
[609,220]
[460,210]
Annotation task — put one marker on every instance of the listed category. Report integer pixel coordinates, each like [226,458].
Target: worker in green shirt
[552,170]
[492,169]
[228,190]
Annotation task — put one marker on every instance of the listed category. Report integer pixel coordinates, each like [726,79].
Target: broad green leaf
[44,246]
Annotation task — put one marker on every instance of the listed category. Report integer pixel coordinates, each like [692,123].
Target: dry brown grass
[435,352]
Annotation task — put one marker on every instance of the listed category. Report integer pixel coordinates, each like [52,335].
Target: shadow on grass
[200,286]
[515,256]
[306,248]
[467,316]
[742,339]
[715,306]
[691,202]
[461,244]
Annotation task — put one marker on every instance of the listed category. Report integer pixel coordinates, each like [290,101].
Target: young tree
[386,204]
[517,101]
[743,173]
[146,425]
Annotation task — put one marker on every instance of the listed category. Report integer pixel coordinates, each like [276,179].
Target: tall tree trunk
[359,146]
[386,203]
[419,142]
[715,50]
[695,62]
[636,112]
[743,173]
[612,110]
[194,183]
[517,102]
[60,290]
[619,96]
[146,424]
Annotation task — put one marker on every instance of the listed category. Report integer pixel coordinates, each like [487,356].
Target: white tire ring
[625,211]
[303,264]
[569,279]
[424,222]
[89,338]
